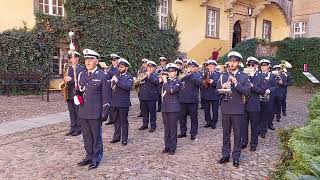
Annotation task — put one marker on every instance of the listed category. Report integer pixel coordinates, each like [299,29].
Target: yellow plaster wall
[280,29]
[191,23]
[14,12]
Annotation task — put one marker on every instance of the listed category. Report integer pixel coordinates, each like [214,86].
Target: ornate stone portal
[238,14]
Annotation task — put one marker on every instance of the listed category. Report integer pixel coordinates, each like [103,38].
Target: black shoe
[93,166]
[124,143]
[263,135]
[201,107]
[271,127]
[181,135]
[223,160]
[284,113]
[140,115]
[213,126]
[84,162]
[253,149]
[69,133]
[143,127]
[165,151]
[207,125]
[76,133]
[109,123]
[236,162]
[278,119]
[152,129]
[171,152]
[158,110]
[243,146]
[114,141]
[193,137]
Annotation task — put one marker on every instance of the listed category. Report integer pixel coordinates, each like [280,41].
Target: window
[266,30]
[299,29]
[163,12]
[52,7]
[212,29]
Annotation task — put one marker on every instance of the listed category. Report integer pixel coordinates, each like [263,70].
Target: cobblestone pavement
[45,153]
[24,107]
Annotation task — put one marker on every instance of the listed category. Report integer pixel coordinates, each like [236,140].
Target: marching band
[248,96]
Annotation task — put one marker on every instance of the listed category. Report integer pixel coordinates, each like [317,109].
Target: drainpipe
[255,26]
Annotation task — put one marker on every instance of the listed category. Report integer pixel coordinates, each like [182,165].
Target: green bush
[301,146]
[24,52]
[128,28]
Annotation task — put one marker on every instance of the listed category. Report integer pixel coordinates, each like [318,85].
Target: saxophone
[64,86]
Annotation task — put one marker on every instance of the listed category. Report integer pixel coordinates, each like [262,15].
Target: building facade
[306,18]
[204,24]
[208,24]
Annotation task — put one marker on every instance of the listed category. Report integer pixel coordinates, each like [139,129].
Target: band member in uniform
[232,107]
[149,96]
[267,103]
[111,72]
[189,99]
[252,114]
[71,82]
[179,63]
[141,70]
[282,85]
[209,95]
[96,89]
[284,99]
[170,107]
[121,86]
[163,63]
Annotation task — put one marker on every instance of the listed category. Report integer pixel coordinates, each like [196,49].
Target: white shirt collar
[93,70]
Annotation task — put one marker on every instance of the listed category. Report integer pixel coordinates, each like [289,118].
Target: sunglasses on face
[251,65]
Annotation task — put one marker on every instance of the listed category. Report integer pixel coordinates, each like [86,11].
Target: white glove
[268,91]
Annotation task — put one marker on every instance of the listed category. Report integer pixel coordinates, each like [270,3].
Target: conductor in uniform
[170,107]
[96,89]
[149,96]
[72,85]
[232,107]
[111,72]
[209,95]
[253,109]
[189,100]
[121,86]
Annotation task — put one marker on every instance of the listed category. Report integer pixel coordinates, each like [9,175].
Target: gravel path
[45,153]
[25,107]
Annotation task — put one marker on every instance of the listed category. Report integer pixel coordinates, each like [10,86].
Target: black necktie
[90,73]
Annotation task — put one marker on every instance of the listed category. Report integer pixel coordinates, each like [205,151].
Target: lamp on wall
[250,9]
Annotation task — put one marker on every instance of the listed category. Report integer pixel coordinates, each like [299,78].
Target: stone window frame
[301,33]
[217,23]
[263,28]
[54,7]
[163,17]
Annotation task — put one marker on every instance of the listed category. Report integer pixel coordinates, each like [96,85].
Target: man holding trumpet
[233,106]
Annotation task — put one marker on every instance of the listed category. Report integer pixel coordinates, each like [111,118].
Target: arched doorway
[236,38]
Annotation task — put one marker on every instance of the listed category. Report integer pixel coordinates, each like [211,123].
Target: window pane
[46,1]
[41,8]
[46,8]
[40,1]
[60,11]
[54,2]
[54,10]
[60,2]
